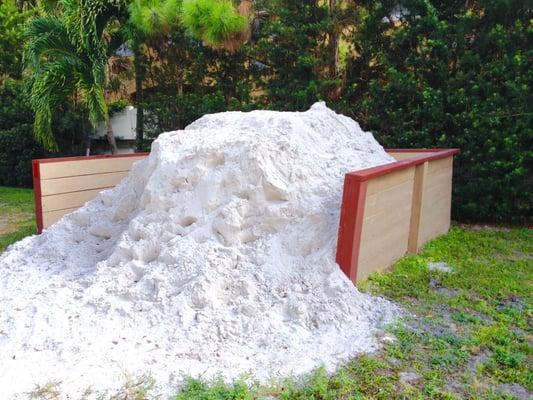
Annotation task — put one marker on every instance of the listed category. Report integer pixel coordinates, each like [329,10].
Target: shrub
[453,74]
[17,145]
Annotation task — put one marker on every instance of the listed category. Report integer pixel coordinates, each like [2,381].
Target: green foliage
[17,142]
[198,390]
[290,54]
[12,27]
[175,111]
[212,21]
[17,145]
[117,106]
[453,74]
[190,80]
[154,16]
[67,56]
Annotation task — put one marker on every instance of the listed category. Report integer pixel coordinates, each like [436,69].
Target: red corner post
[37,195]
[351,224]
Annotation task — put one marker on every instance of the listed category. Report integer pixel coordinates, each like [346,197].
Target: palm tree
[68,56]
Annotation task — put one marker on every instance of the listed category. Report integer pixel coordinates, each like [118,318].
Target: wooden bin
[386,212]
[393,209]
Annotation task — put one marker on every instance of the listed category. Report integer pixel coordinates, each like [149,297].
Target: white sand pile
[214,257]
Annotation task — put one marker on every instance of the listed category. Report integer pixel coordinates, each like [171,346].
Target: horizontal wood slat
[63,169]
[68,200]
[81,183]
[61,185]
[52,217]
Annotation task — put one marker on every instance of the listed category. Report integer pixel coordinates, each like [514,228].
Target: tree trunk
[139,77]
[111,135]
[334,68]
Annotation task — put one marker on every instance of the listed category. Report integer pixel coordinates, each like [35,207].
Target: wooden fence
[62,185]
[393,209]
[386,211]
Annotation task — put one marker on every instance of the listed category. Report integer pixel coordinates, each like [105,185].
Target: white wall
[124,124]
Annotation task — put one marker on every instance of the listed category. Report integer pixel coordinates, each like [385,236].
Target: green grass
[16,215]
[469,333]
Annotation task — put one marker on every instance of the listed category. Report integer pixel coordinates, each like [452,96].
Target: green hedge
[450,75]
[17,145]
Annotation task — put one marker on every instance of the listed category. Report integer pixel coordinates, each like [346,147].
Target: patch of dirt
[476,361]
[10,223]
[409,377]
[514,389]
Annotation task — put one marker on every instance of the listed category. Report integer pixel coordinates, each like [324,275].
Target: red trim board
[36,172]
[353,204]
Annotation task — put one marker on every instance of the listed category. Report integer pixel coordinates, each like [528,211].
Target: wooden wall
[393,209]
[387,214]
[386,211]
[61,185]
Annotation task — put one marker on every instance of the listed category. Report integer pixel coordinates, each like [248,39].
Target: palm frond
[47,37]
[52,84]
[93,97]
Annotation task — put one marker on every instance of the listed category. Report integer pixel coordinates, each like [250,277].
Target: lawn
[469,333]
[16,215]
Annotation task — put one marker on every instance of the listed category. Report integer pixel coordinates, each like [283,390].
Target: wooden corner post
[416,207]
[351,224]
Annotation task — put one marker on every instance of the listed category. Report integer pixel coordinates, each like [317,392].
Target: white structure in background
[124,126]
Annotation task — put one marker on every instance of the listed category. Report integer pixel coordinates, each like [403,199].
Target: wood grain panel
[68,200]
[79,183]
[436,209]
[385,231]
[52,217]
[443,163]
[386,199]
[78,167]
[390,180]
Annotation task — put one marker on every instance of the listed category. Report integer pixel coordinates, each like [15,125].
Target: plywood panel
[79,183]
[443,163]
[52,217]
[436,209]
[78,167]
[385,231]
[68,200]
[383,201]
[379,254]
[390,180]
[65,184]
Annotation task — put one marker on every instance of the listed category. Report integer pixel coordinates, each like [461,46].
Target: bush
[17,149]
[17,145]
[452,75]
[291,57]
[168,112]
